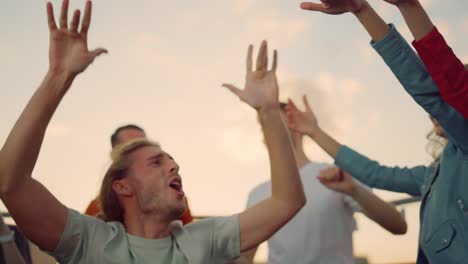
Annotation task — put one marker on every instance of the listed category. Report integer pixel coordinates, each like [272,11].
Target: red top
[94,209]
[446,70]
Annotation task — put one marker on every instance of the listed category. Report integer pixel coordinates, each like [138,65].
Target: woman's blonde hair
[111,210]
[435,145]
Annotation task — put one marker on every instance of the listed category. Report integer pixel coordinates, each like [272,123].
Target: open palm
[302,122]
[334,7]
[261,85]
[69,47]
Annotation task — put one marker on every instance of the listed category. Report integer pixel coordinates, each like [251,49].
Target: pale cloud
[367,54]
[465,24]
[375,117]
[427,4]
[57,130]
[346,89]
[286,30]
[240,138]
[444,28]
[242,6]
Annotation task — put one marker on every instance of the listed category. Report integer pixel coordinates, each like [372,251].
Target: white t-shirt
[321,232]
[90,240]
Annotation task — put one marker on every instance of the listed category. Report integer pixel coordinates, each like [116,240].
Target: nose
[173,166]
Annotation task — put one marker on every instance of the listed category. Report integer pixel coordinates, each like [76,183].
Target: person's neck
[146,226]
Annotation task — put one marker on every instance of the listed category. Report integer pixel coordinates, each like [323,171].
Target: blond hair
[111,210]
[435,145]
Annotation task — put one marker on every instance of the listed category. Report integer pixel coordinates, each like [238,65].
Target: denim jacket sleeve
[416,80]
[371,173]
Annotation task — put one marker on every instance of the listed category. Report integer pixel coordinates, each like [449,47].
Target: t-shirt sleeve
[226,237]
[79,229]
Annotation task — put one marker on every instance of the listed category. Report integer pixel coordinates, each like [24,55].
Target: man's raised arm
[261,221]
[35,210]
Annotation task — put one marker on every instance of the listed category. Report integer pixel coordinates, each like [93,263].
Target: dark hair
[283,106]
[120,129]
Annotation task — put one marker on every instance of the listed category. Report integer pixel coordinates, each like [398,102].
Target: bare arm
[370,20]
[415,16]
[35,210]
[261,221]
[381,212]
[247,257]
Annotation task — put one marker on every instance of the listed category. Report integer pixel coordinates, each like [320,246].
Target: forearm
[326,142]
[416,18]
[381,212]
[372,22]
[21,149]
[285,181]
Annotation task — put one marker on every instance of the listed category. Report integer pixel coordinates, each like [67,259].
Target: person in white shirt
[322,231]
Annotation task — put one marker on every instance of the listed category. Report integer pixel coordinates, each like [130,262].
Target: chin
[178,210]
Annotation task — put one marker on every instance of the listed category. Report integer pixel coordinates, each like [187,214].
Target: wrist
[268,111]
[58,82]
[362,10]
[315,133]
[354,192]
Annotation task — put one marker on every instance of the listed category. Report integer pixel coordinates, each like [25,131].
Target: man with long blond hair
[143,184]
[122,135]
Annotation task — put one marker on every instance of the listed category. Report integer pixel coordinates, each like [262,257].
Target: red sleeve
[186,218]
[93,208]
[446,70]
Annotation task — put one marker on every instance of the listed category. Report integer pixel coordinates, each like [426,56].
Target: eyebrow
[155,157]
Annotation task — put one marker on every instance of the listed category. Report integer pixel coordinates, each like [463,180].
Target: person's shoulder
[93,223]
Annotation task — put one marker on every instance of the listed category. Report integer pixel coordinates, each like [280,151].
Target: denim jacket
[443,187]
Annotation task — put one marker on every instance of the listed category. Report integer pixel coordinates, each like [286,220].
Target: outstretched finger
[75,21]
[50,17]
[86,18]
[291,105]
[95,53]
[64,15]
[262,60]
[306,103]
[249,58]
[275,61]
[233,89]
[315,7]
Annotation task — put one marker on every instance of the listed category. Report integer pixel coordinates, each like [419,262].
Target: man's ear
[122,187]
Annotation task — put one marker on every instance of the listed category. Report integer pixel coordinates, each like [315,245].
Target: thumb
[314,6]
[95,53]
[233,89]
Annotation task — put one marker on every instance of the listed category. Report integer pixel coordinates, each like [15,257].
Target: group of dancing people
[306,209]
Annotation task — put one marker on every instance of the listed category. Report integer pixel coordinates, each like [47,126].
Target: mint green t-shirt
[90,240]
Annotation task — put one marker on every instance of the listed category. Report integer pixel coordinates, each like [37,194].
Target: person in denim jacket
[443,187]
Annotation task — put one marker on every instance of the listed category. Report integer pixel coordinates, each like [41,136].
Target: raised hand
[302,122]
[261,85]
[338,180]
[334,7]
[68,51]
[398,2]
